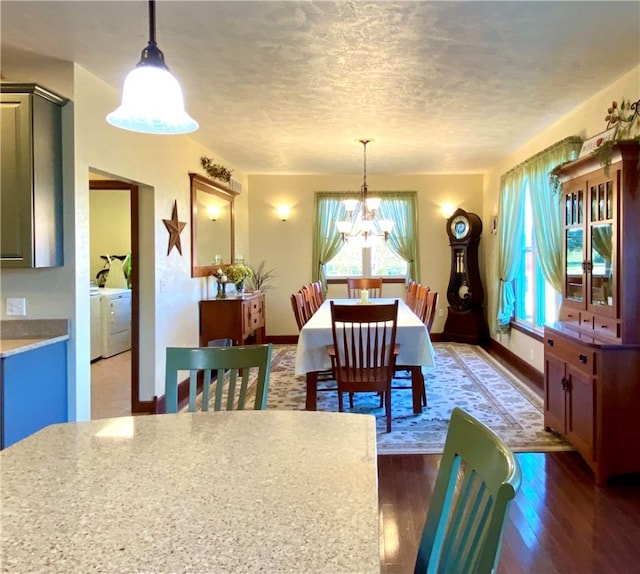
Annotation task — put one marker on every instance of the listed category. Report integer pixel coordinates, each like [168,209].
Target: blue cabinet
[34,391]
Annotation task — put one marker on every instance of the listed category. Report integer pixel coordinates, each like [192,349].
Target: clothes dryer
[115,320]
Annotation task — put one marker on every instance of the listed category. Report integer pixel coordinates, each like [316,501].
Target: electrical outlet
[16,306]
[440,312]
[531,353]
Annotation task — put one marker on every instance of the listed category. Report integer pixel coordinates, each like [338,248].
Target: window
[537,302]
[378,260]
[381,258]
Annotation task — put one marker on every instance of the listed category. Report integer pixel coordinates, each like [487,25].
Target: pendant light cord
[152,21]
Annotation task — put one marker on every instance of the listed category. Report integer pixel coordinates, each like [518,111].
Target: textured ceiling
[289,87]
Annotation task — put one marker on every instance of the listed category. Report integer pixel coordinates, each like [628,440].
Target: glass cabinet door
[601,276]
[574,273]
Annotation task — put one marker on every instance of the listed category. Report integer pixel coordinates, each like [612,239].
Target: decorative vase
[222,291]
[240,287]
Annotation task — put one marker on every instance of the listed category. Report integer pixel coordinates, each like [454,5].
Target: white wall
[110,226]
[286,246]
[586,120]
[161,165]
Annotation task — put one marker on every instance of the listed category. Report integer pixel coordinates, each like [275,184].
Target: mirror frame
[202,183]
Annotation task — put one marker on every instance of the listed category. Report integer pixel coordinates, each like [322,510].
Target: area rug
[465,376]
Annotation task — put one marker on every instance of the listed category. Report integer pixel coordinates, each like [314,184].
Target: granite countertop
[21,335]
[225,492]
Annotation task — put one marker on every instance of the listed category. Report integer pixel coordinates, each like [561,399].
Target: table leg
[312,391]
[417,386]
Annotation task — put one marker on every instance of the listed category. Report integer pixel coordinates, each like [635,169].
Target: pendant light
[151,96]
[363,224]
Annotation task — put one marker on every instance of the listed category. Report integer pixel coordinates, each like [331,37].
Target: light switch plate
[16,306]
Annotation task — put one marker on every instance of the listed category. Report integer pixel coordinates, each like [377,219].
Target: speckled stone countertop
[215,492]
[21,335]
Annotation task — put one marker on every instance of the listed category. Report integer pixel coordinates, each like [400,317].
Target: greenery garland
[215,170]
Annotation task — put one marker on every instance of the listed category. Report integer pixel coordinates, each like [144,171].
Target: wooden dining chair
[233,368]
[318,292]
[430,306]
[477,479]
[410,297]
[297,304]
[310,303]
[364,350]
[357,284]
[420,301]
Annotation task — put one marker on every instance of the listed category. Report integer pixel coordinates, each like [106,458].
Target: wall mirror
[212,225]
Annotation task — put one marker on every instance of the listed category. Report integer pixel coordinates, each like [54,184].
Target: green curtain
[547,222]
[546,208]
[329,208]
[510,229]
[401,208]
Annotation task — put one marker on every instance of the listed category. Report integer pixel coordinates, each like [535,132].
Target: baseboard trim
[144,407]
[515,363]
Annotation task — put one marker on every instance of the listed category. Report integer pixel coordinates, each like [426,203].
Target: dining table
[416,351]
[215,492]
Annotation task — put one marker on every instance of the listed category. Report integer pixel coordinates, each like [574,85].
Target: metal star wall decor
[174,227]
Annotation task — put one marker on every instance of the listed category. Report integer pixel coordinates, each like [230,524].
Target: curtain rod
[567,140]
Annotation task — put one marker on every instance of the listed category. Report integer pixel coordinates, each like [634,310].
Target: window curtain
[546,208]
[510,229]
[401,208]
[329,208]
[547,222]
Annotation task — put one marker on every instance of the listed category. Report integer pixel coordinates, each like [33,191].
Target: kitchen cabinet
[33,390]
[31,185]
[236,318]
[592,354]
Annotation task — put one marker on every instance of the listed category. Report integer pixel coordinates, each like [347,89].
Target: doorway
[125,363]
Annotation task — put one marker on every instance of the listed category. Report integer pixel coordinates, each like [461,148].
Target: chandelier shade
[152,100]
[363,224]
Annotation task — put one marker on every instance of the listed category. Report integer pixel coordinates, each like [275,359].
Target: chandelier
[362,224]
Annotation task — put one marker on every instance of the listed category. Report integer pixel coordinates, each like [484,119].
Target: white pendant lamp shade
[152,103]
[151,96]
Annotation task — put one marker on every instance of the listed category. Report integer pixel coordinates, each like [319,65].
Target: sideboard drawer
[582,358]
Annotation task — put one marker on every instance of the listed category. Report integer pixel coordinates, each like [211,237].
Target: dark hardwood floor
[559,523]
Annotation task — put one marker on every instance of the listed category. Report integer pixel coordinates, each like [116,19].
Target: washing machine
[115,312]
[95,323]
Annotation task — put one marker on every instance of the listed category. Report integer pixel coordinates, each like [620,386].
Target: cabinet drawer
[570,316]
[606,327]
[581,358]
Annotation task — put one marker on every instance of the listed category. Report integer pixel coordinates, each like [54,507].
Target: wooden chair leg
[388,409]
[340,405]
[350,400]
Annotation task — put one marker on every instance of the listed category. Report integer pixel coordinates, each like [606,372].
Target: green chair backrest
[233,367]
[477,479]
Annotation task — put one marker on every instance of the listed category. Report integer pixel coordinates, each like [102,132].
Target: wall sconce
[283,212]
[447,210]
[213,211]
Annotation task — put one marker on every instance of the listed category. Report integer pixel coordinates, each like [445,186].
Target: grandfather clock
[465,318]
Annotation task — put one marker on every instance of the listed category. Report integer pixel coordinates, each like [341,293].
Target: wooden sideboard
[592,354]
[236,318]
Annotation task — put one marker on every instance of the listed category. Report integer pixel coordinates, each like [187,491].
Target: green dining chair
[234,368]
[477,479]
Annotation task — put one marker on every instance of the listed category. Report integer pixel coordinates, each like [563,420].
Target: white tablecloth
[412,336]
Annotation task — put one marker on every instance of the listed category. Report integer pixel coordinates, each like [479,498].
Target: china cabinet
[237,318]
[31,190]
[592,354]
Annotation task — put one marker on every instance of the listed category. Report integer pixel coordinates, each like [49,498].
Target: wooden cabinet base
[592,397]
[466,327]
[241,319]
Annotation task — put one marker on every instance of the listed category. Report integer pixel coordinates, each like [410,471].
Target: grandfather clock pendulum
[465,318]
